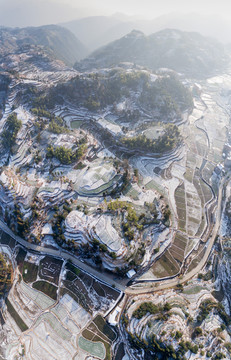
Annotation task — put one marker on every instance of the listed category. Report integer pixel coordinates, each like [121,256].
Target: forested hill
[60,42]
[163,96]
[185,52]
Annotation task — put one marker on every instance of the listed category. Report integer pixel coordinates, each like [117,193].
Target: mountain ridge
[61,42]
[185,52]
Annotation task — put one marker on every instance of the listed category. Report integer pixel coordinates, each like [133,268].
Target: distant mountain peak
[185,52]
[135,33]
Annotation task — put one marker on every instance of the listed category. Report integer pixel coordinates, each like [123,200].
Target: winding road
[107,279]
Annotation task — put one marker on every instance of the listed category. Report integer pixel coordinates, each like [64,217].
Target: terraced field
[193,194]
[99,333]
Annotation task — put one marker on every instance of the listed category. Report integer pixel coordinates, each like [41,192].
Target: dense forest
[11,129]
[6,274]
[168,141]
[165,97]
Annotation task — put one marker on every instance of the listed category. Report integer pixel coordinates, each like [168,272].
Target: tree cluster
[64,155]
[149,307]
[11,129]
[168,141]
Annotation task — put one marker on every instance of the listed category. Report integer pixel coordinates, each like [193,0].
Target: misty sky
[39,12]
[152,8]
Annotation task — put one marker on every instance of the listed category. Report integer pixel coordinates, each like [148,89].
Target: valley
[114,204]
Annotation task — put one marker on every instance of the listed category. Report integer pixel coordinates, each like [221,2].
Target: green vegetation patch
[30,272]
[65,155]
[168,141]
[6,273]
[73,268]
[46,288]
[207,306]
[57,125]
[15,316]
[149,307]
[11,129]
[94,348]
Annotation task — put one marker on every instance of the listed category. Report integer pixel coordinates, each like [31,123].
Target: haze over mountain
[59,41]
[24,13]
[96,31]
[185,52]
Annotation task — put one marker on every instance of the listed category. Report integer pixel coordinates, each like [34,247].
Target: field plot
[193,205]
[196,259]
[189,200]
[193,289]
[131,192]
[120,352]
[208,171]
[107,233]
[100,332]
[56,325]
[165,266]
[72,315]
[45,343]
[76,124]
[49,269]
[94,348]
[104,328]
[181,206]
[97,178]
[46,288]
[188,205]
[202,148]
[190,197]
[179,246]
[203,190]
[7,240]
[91,294]
[30,272]
[41,300]
[15,316]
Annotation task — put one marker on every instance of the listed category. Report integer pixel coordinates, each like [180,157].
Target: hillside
[59,41]
[131,94]
[184,52]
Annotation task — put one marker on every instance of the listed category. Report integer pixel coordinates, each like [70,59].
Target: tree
[12,127]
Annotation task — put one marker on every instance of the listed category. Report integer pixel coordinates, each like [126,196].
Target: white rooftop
[131,273]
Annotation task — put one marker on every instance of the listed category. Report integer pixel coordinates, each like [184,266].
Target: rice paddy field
[204,142]
[99,332]
[94,348]
[59,325]
[89,293]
